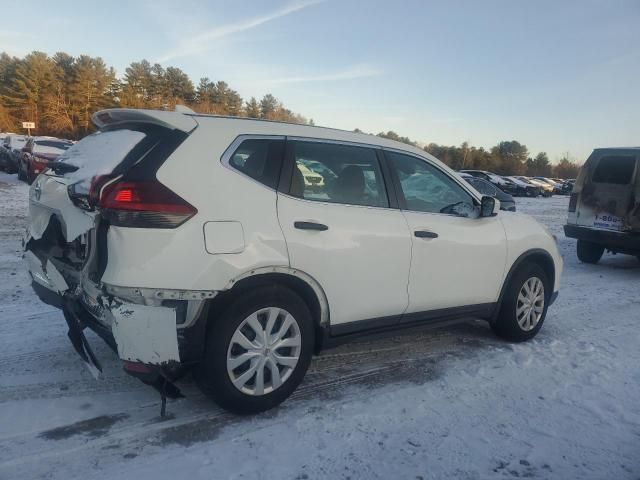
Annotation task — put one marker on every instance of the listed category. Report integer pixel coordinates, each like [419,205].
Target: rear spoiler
[174,120]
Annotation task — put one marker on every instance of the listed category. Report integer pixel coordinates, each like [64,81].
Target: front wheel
[524,305]
[258,350]
[589,252]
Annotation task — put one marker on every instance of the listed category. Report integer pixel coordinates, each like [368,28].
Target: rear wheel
[258,350]
[589,252]
[524,305]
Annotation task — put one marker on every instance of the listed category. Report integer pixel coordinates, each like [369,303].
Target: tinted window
[328,172]
[483,186]
[616,169]
[53,144]
[427,189]
[260,159]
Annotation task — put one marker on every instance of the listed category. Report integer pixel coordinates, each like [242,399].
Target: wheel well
[218,304]
[545,261]
[538,257]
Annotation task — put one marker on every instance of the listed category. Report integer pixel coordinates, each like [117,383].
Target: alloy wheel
[264,351]
[530,304]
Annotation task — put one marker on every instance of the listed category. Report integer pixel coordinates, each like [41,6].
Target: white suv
[241,247]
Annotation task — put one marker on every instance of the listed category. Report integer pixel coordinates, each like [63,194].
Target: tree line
[61,92]
[506,158]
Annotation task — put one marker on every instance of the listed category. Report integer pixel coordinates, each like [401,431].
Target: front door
[458,259]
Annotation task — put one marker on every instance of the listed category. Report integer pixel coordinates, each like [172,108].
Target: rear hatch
[607,191]
[107,178]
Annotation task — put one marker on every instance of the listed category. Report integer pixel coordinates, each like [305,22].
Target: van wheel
[258,351]
[589,252]
[524,305]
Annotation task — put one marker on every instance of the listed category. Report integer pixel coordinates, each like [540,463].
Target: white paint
[223,237]
[362,261]
[145,334]
[48,196]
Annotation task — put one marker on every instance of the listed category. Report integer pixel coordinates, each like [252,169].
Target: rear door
[341,228]
[607,197]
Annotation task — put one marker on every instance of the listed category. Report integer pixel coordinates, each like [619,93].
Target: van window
[616,169]
[329,172]
[260,159]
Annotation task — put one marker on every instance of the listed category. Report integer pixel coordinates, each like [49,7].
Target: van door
[607,198]
[340,228]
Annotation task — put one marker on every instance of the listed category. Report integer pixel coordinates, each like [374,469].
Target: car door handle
[425,234]
[310,226]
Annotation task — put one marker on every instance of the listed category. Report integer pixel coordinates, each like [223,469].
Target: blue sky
[559,76]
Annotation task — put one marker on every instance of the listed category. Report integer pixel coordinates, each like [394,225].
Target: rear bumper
[137,333]
[617,241]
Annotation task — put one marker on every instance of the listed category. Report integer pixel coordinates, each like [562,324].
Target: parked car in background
[530,189]
[497,180]
[485,187]
[243,273]
[37,153]
[604,208]
[546,189]
[10,152]
[557,188]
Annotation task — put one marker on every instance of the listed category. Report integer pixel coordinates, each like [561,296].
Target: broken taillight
[143,204]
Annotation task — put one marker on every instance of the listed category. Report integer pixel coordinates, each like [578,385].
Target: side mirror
[489,206]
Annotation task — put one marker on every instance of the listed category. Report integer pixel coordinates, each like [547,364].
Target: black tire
[589,252]
[506,323]
[212,375]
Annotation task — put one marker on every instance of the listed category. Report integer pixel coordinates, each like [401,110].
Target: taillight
[143,204]
[573,202]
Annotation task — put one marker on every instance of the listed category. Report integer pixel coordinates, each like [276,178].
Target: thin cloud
[201,42]
[351,73]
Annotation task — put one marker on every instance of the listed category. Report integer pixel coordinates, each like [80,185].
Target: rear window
[616,169]
[99,154]
[50,146]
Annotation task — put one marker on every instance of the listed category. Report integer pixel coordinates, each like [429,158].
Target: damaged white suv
[241,247]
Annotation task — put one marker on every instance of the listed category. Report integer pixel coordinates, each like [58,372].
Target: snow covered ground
[449,403]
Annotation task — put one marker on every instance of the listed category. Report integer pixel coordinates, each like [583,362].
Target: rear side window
[260,159]
[336,173]
[616,169]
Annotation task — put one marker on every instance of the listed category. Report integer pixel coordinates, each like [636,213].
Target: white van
[604,210]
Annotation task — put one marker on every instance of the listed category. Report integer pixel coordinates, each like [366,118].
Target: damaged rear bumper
[145,337]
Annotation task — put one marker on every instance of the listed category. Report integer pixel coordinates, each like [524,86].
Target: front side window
[427,189]
[616,169]
[260,159]
[328,172]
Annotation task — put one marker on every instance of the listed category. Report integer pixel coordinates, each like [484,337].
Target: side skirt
[343,333]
